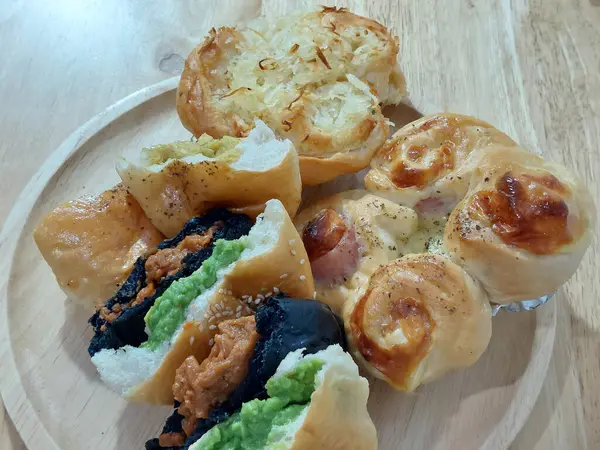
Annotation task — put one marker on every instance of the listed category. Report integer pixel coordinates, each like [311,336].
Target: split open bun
[269,263]
[316,78]
[336,417]
[347,236]
[418,317]
[92,243]
[523,227]
[178,181]
[428,163]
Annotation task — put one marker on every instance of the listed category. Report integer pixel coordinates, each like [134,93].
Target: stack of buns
[454,217]
[315,78]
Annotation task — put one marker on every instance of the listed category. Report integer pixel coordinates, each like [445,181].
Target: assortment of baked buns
[318,79]
[189,262]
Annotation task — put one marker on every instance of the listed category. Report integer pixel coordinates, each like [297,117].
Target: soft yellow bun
[381,228]
[272,262]
[316,78]
[418,317]
[92,243]
[523,227]
[174,182]
[431,158]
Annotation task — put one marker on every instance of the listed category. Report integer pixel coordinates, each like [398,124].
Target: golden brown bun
[92,243]
[178,189]
[381,228]
[272,262]
[304,75]
[419,317]
[523,227]
[431,158]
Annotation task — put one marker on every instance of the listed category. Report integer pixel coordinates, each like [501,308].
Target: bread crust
[247,285]
[432,157]
[212,100]
[337,417]
[446,163]
[534,245]
[92,243]
[373,218]
[442,314]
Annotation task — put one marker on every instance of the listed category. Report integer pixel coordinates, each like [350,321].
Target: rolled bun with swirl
[417,318]
[427,164]
[523,227]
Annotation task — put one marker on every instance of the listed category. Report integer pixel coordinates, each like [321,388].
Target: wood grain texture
[530,67]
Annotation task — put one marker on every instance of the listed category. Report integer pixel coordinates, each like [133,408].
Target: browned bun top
[431,157]
[419,316]
[92,243]
[527,211]
[204,73]
[316,78]
[523,227]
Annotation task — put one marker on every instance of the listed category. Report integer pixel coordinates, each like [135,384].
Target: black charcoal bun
[284,325]
[128,328]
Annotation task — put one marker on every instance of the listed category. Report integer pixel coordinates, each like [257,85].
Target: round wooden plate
[54,395]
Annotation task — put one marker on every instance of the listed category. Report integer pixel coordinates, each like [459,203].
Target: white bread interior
[174,191]
[337,416]
[273,261]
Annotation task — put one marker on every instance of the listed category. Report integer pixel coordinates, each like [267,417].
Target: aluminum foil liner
[525,305]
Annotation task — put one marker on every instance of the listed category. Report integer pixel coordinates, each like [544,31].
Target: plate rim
[16,401]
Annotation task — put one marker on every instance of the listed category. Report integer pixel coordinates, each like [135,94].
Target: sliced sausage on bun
[347,236]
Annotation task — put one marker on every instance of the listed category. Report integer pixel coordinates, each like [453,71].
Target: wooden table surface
[531,67]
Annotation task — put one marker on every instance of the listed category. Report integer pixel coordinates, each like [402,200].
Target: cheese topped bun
[427,164]
[317,78]
[178,181]
[347,236]
[523,227]
[417,318]
[92,243]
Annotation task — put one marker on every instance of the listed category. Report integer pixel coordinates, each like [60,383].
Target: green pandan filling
[168,312]
[262,424]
